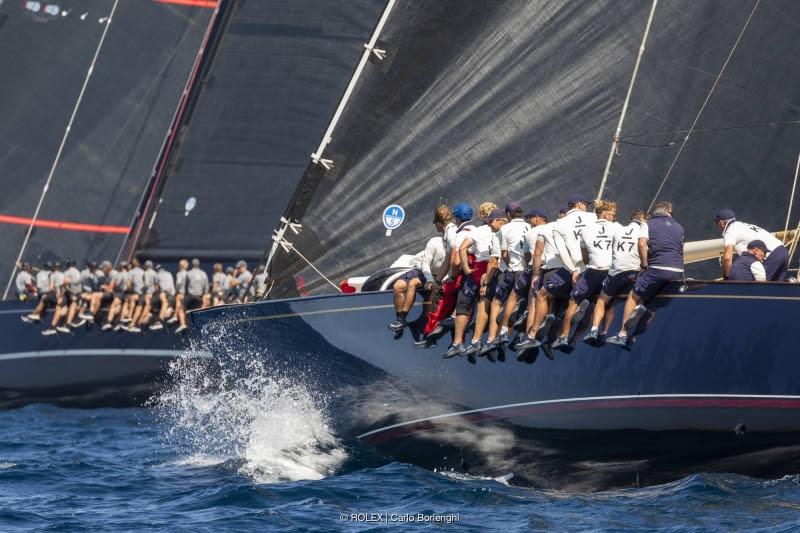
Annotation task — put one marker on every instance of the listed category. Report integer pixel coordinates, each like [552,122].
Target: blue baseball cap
[513,206]
[725,214]
[536,213]
[462,211]
[578,198]
[759,244]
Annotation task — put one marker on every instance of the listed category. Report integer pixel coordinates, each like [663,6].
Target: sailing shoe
[500,340]
[519,323]
[633,321]
[560,343]
[133,329]
[106,326]
[472,348]
[544,328]
[592,338]
[453,350]
[78,324]
[180,329]
[49,331]
[33,317]
[86,316]
[155,326]
[172,320]
[619,340]
[487,348]
[118,327]
[526,343]
[63,329]
[397,325]
[424,344]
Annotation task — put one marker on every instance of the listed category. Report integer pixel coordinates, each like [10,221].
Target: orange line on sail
[67,226]
[195,3]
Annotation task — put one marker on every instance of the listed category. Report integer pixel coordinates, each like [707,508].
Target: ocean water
[264,460]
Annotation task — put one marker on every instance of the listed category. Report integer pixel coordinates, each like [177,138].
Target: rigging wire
[295,250]
[615,142]
[60,148]
[791,199]
[708,97]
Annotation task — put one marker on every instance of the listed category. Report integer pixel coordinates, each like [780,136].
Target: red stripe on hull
[578,405]
[62,225]
[195,3]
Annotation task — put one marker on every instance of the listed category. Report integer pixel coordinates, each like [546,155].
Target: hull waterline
[710,385]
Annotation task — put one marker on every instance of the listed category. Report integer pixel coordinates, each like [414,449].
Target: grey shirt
[22,281]
[43,281]
[57,280]
[180,281]
[150,281]
[89,281]
[165,282]
[244,282]
[197,282]
[219,281]
[137,279]
[72,279]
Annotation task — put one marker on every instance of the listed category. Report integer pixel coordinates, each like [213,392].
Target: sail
[278,68]
[483,100]
[46,50]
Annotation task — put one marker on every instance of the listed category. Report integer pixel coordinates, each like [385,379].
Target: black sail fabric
[277,72]
[518,101]
[118,130]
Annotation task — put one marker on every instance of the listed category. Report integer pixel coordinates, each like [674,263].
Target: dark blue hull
[86,368]
[711,384]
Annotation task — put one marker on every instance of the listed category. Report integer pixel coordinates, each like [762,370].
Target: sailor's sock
[503,330]
[595,328]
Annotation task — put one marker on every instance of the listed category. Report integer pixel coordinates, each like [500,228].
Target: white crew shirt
[757,268]
[740,234]
[544,233]
[569,228]
[625,247]
[481,246]
[512,240]
[431,260]
[597,238]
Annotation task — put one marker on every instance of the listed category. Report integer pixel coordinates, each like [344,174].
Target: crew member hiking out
[428,268]
[661,256]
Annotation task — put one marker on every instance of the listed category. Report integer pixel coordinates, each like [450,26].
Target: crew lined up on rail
[519,270]
[132,297]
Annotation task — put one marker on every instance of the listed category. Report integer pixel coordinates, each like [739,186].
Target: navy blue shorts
[776,264]
[505,282]
[589,284]
[559,283]
[414,273]
[652,280]
[539,281]
[522,283]
[492,285]
[621,282]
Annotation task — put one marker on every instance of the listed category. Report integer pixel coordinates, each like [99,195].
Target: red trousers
[447,303]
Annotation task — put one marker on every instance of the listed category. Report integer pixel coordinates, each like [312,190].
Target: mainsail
[504,100]
[46,50]
[275,71]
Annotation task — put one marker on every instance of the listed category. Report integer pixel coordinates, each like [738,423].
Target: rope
[615,142]
[793,247]
[60,150]
[708,97]
[295,250]
[791,199]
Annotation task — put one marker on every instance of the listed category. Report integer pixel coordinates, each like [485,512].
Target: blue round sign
[393,216]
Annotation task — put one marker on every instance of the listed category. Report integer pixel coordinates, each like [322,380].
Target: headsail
[276,72]
[116,134]
[502,101]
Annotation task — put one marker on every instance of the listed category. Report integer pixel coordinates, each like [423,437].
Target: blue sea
[272,465]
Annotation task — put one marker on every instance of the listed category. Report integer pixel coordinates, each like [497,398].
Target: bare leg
[206,301]
[599,310]
[399,287]
[410,296]
[509,309]
[112,310]
[572,306]
[73,308]
[632,301]
[543,301]
[484,310]
[496,309]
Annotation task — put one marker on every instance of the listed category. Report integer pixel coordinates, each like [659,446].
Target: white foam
[272,426]
[5,465]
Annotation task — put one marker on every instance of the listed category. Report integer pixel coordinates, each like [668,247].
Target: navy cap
[92,264]
[513,206]
[494,215]
[725,214]
[536,213]
[578,198]
[759,244]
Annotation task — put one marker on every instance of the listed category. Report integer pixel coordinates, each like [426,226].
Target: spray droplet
[190,203]
[83,17]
